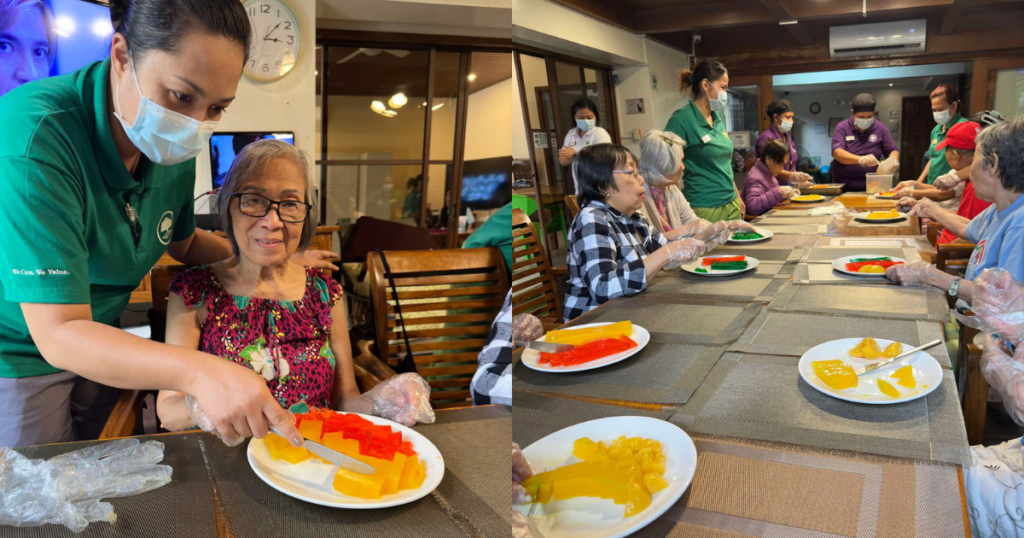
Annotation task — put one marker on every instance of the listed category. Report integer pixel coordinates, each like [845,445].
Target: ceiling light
[787,23]
[890,84]
[424,103]
[471,77]
[389,113]
[378,106]
[316,73]
[398,100]
[437,106]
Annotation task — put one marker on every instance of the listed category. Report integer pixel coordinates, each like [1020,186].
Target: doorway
[915,135]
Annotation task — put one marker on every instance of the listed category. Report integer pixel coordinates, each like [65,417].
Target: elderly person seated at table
[661,166]
[997,173]
[258,309]
[762,191]
[780,113]
[613,250]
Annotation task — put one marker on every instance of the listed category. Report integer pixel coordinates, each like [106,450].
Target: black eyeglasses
[255,205]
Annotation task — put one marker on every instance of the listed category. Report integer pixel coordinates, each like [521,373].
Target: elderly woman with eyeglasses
[259,309]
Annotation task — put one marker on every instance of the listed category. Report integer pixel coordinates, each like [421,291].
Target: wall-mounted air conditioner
[880,39]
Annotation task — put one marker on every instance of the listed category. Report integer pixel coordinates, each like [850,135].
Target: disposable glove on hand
[868,161]
[683,251]
[947,181]
[904,204]
[526,327]
[999,304]
[1005,374]
[911,274]
[404,399]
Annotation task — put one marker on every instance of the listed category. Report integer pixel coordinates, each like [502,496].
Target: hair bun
[685,79]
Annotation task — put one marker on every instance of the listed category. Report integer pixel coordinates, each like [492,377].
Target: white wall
[285,105]
[545,24]
[482,18]
[820,145]
[488,129]
[665,62]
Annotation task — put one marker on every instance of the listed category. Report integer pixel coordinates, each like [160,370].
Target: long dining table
[777,458]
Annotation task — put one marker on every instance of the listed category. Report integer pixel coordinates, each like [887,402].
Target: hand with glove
[67,489]
[925,208]
[741,225]
[905,184]
[917,273]
[692,228]
[683,251]
[714,235]
[947,181]
[526,327]
[868,161]
[905,192]
[1005,374]
[906,204]
[789,192]
[523,526]
[404,399]
[999,304]
[892,163]
[800,179]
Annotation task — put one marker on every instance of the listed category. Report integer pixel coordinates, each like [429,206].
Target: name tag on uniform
[705,139]
[850,138]
[935,141]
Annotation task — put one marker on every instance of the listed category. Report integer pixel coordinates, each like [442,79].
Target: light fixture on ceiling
[437,106]
[378,107]
[316,73]
[787,23]
[424,103]
[890,84]
[398,100]
[471,77]
[389,113]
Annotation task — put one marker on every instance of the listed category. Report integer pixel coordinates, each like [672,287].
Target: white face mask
[718,104]
[863,123]
[586,125]
[942,118]
[787,126]
[166,137]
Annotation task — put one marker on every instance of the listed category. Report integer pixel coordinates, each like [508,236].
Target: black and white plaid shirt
[492,383]
[606,257]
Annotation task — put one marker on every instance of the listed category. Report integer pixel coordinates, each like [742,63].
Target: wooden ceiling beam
[716,15]
[616,13]
[953,15]
[782,14]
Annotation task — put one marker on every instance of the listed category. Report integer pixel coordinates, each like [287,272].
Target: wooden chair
[533,279]
[449,299]
[573,205]
[972,384]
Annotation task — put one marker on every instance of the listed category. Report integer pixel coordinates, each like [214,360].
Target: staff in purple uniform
[781,114]
[859,145]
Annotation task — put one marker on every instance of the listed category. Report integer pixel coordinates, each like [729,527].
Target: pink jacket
[761,191]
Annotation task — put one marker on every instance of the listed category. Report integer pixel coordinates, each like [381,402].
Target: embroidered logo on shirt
[873,138]
[40,272]
[979,253]
[163,230]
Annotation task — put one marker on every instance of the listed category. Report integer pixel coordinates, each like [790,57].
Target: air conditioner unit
[881,39]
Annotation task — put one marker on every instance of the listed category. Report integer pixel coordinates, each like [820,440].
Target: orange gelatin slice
[280,449]
[579,337]
[836,374]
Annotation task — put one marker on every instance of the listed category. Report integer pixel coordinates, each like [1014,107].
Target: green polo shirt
[496,232]
[707,180]
[67,237]
[937,159]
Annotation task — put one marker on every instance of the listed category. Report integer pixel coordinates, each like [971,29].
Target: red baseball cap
[960,136]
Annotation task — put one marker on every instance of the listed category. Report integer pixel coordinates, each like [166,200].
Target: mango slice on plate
[906,371]
[893,350]
[280,449]
[637,498]
[888,389]
[872,269]
[867,349]
[908,382]
[836,374]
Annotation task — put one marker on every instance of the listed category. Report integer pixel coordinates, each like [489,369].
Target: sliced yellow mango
[888,389]
[637,499]
[584,449]
[893,350]
[906,371]
[654,483]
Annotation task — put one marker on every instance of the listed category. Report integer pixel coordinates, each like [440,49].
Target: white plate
[819,199]
[839,264]
[590,517]
[863,217]
[884,197]
[927,372]
[752,263]
[639,335]
[766,233]
[313,480]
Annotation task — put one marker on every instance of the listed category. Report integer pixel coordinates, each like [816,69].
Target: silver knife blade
[546,347]
[333,456]
[881,364]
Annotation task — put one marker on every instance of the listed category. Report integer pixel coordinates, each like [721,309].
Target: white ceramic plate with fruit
[531,357]
[911,377]
[765,235]
[592,517]
[312,480]
[839,264]
[708,269]
[880,217]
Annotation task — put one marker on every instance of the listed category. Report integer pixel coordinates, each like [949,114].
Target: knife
[545,347]
[333,456]
[877,365]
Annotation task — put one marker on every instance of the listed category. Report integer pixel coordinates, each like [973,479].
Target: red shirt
[970,206]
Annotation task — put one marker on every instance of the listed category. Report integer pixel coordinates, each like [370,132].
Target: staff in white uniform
[586,133]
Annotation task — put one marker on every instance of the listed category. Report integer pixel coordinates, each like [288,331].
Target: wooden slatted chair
[972,384]
[533,278]
[448,300]
[573,205]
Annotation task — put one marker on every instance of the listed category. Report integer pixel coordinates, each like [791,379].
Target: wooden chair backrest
[161,277]
[533,283]
[572,204]
[449,299]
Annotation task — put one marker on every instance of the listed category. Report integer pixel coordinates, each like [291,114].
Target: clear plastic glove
[904,184]
[201,419]
[801,179]
[741,225]
[1005,374]
[917,273]
[521,470]
[868,161]
[789,192]
[905,192]
[684,251]
[906,203]
[692,228]
[526,327]
[999,304]
[530,527]
[712,231]
[926,208]
[947,181]
[892,163]
[67,489]
[404,399]
[834,209]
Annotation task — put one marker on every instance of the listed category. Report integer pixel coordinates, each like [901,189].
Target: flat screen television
[83,32]
[487,183]
[225,146]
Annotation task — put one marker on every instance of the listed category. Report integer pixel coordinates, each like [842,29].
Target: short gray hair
[660,153]
[12,9]
[252,160]
[1005,139]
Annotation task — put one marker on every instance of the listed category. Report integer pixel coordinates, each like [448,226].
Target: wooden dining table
[775,456]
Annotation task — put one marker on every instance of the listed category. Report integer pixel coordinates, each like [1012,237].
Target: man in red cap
[953,190]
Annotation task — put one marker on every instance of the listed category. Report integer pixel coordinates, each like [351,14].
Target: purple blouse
[761,191]
[875,141]
[774,134]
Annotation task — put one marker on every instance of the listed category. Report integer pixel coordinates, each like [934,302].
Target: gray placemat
[660,373]
[737,288]
[764,398]
[466,503]
[182,508]
[823,273]
[794,219]
[787,333]
[782,241]
[888,241]
[797,229]
[871,301]
[536,416]
[854,223]
[769,254]
[829,254]
[671,319]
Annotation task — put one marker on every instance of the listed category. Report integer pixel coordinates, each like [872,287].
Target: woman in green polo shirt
[98,172]
[946,110]
[707,180]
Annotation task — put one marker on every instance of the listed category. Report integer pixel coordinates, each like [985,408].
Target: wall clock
[815,108]
[276,39]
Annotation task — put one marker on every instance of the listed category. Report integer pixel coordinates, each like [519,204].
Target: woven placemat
[761,285]
[829,254]
[764,254]
[678,320]
[890,241]
[823,273]
[535,416]
[797,229]
[660,373]
[183,508]
[869,301]
[782,241]
[466,503]
[793,219]
[854,223]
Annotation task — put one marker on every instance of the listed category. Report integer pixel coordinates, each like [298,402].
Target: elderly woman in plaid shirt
[613,249]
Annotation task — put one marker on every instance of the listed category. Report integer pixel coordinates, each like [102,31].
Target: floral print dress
[287,342]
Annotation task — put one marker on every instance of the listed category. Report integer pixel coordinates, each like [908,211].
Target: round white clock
[276,39]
